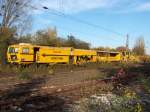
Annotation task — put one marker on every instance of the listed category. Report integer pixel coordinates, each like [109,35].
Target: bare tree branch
[14,12]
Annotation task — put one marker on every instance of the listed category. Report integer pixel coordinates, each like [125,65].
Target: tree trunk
[3,53]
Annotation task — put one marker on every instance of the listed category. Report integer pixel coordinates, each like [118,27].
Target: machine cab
[21,53]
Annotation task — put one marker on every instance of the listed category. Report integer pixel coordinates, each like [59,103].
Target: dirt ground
[63,75]
[54,93]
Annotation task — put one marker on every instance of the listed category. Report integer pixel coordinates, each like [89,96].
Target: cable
[57,13]
[61,14]
[82,21]
[66,29]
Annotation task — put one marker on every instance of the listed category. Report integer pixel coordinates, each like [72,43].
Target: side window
[16,50]
[25,50]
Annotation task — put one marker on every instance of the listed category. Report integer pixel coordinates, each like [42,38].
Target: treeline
[46,37]
[49,37]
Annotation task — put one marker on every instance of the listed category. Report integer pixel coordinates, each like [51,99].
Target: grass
[24,75]
[27,72]
[40,70]
[145,82]
[100,75]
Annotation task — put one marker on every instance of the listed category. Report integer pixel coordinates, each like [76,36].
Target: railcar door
[36,50]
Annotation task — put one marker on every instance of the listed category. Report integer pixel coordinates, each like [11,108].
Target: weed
[146,83]
[100,75]
[24,75]
[107,103]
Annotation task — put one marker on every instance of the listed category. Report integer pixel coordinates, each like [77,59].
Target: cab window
[13,50]
[25,50]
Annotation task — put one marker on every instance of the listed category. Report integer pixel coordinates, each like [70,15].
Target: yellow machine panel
[83,56]
[114,56]
[55,51]
[81,52]
[107,56]
[102,56]
[53,59]
[54,55]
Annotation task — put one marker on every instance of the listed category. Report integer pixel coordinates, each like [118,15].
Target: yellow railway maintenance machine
[24,53]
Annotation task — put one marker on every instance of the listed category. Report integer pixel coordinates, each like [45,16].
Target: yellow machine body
[24,53]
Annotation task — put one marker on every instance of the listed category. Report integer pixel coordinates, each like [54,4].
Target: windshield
[13,50]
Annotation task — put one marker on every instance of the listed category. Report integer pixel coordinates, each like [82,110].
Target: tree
[139,47]
[13,13]
[82,45]
[122,49]
[76,43]
[110,49]
[5,34]
[104,49]
[47,37]
[71,41]
[25,39]
[99,48]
